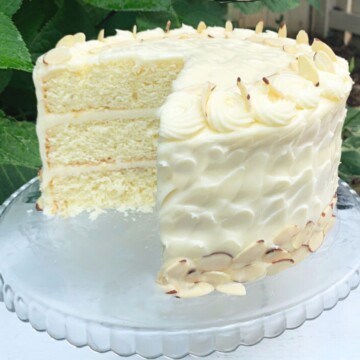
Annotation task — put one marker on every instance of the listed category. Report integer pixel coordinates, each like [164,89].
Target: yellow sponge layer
[125,84]
[121,189]
[95,142]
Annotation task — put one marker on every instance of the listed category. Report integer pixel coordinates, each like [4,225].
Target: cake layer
[128,83]
[102,141]
[132,188]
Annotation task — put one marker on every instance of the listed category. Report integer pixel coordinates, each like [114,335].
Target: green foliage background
[28,28]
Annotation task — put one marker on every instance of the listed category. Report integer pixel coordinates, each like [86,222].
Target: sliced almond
[101,35]
[232,288]
[282,33]
[276,254]
[215,278]
[324,219]
[304,235]
[329,225]
[229,26]
[318,45]
[294,65]
[193,276]
[199,289]
[285,237]
[208,88]
[290,49]
[178,270]
[215,262]
[244,93]
[79,37]
[258,39]
[316,240]
[134,30]
[300,254]
[302,38]
[259,27]
[248,273]
[323,62]
[250,254]
[57,56]
[201,27]
[168,26]
[279,265]
[308,70]
[66,41]
[274,42]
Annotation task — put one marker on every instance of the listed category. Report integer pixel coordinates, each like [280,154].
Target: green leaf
[13,51]
[32,16]
[190,12]
[249,7]
[9,7]
[133,5]
[12,177]
[96,15]
[5,76]
[119,20]
[280,5]
[69,19]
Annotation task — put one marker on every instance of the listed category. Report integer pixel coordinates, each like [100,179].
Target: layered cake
[233,135]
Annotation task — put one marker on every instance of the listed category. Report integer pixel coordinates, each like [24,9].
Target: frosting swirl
[272,112]
[226,111]
[181,116]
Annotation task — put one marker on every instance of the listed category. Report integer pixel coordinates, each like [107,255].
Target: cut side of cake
[235,135]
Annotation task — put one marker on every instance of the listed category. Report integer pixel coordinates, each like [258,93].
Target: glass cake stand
[93,283]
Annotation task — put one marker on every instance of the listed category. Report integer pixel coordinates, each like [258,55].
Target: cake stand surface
[93,283]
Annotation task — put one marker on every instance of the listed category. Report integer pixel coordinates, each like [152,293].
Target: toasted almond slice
[304,235]
[259,27]
[250,254]
[308,70]
[323,62]
[316,240]
[294,65]
[66,41]
[300,254]
[215,262]
[279,265]
[248,273]
[201,27]
[318,45]
[178,269]
[199,289]
[57,56]
[276,254]
[101,35]
[215,278]
[232,288]
[168,26]
[208,88]
[229,26]
[302,38]
[282,33]
[79,37]
[329,225]
[285,237]
[324,219]
[193,276]
[290,49]
[244,93]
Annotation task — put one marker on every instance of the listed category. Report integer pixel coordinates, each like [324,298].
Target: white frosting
[226,111]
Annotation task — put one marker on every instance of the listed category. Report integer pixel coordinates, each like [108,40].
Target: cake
[234,135]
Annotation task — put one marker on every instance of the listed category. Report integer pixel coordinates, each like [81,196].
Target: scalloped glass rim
[56,284]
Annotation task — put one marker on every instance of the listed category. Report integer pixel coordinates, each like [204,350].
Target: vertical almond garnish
[323,62]
[244,93]
[168,25]
[302,38]
[201,27]
[208,88]
[259,27]
[229,26]
[308,70]
[282,33]
[134,30]
[101,35]
[318,45]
